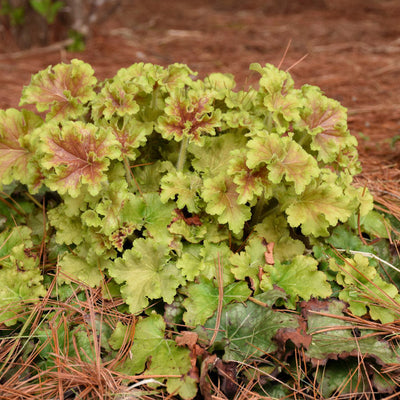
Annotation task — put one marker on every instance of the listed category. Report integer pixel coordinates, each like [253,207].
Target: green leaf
[185,187]
[116,99]
[246,331]
[284,158]
[202,299]
[221,196]
[188,114]
[281,101]
[274,229]
[326,120]
[146,272]
[130,133]
[77,154]
[17,147]
[321,205]
[365,289]
[299,278]
[251,183]
[155,355]
[20,277]
[333,337]
[63,89]
[149,212]
[214,156]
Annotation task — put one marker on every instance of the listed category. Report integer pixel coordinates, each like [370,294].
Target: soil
[350,49]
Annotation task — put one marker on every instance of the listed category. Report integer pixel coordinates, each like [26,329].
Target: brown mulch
[351,50]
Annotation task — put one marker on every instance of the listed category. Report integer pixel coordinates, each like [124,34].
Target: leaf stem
[128,173]
[182,154]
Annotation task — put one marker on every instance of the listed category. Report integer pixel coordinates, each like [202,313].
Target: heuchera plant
[163,189]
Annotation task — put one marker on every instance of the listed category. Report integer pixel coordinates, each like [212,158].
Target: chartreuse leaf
[250,262]
[64,89]
[146,272]
[213,158]
[221,196]
[155,355]
[246,330]
[284,158]
[251,183]
[326,120]
[299,278]
[20,277]
[149,212]
[130,132]
[277,94]
[17,147]
[84,265]
[185,187]
[364,289]
[202,299]
[321,205]
[274,229]
[77,154]
[188,114]
[340,339]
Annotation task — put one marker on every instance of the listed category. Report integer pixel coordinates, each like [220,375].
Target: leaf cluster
[184,196]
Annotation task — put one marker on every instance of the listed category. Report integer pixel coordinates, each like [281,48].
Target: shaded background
[351,49]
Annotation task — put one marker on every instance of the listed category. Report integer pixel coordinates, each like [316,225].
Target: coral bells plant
[173,193]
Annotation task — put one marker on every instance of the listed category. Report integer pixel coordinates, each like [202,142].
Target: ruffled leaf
[189,115]
[318,207]
[299,278]
[130,133]
[326,120]
[63,89]
[17,146]
[251,183]
[146,272]
[184,187]
[221,196]
[167,358]
[284,158]
[202,300]
[77,154]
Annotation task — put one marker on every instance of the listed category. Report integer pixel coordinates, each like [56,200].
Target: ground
[350,49]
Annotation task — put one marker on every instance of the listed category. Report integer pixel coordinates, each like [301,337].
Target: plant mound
[205,209]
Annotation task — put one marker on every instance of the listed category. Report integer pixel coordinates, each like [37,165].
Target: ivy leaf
[321,205]
[325,119]
[63,89]
[77,154]
[298,278]
[202,299]
[156,355]
[146,272]
[221,196]
[189,115]
[284,158]
[247,331]
[17,147]
[185,187]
